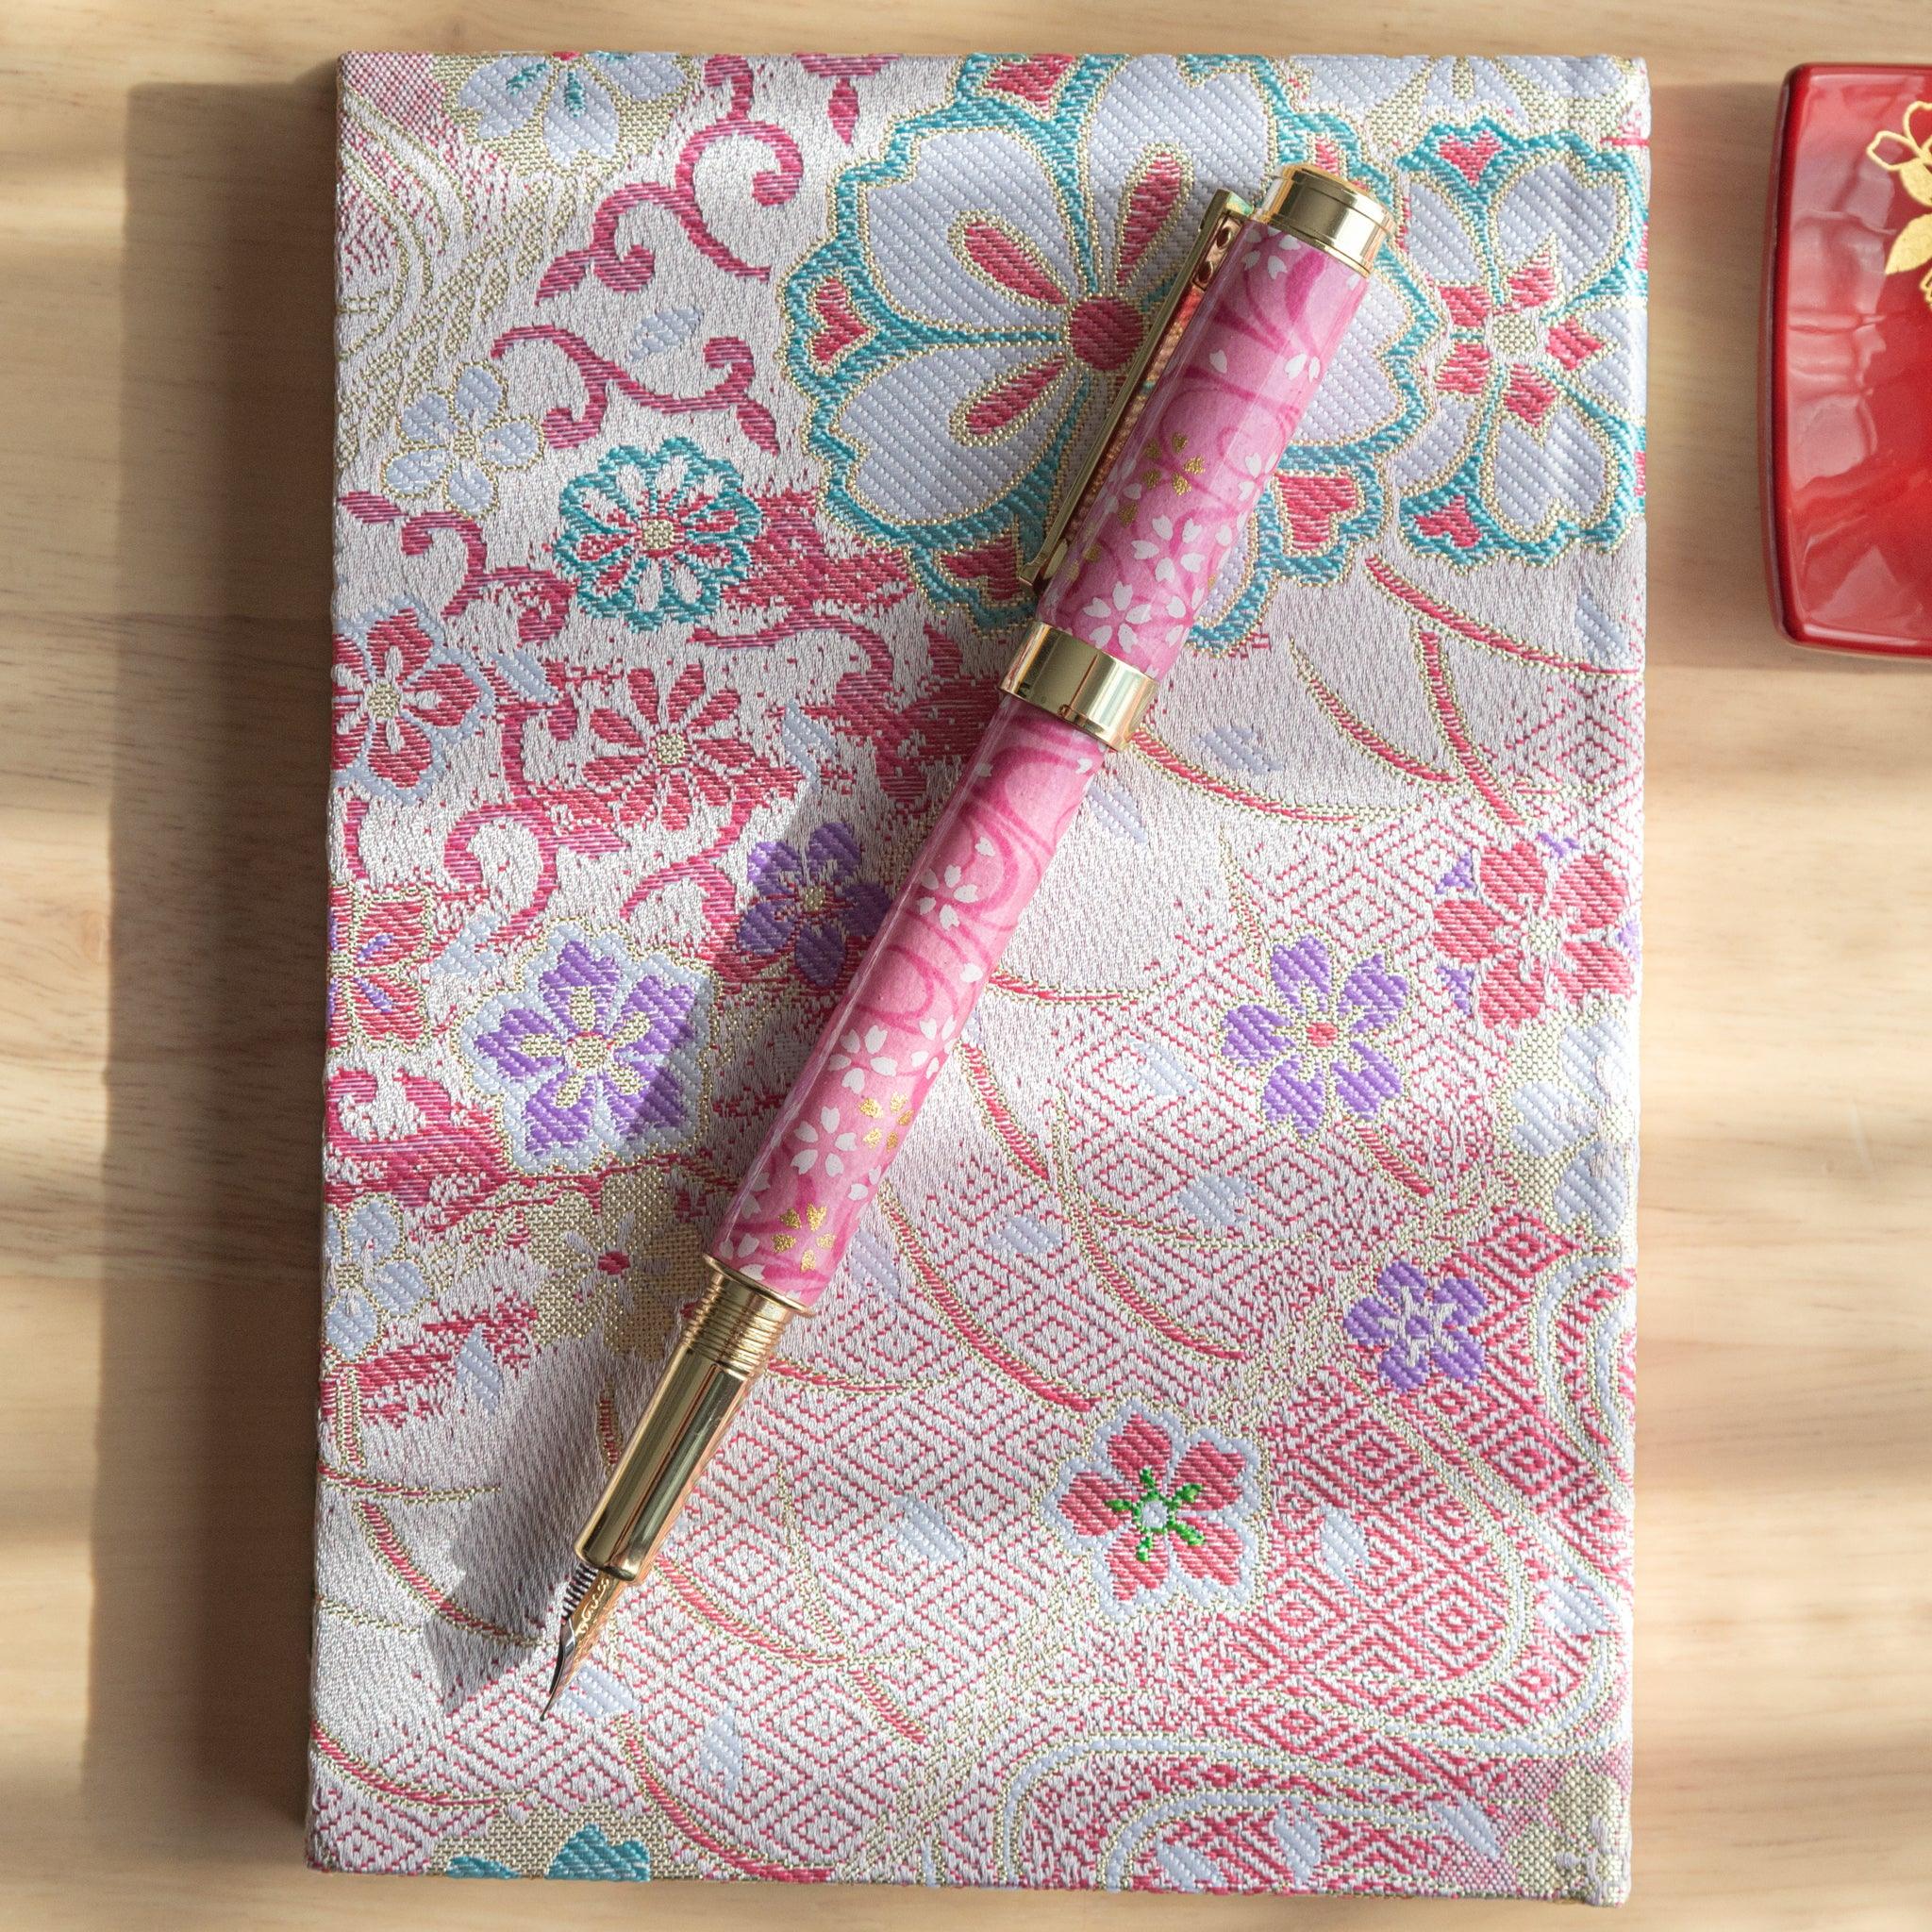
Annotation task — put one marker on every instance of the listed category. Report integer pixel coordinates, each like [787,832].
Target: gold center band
[1093,690]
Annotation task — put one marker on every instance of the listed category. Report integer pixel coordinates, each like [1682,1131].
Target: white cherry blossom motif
[946,890]
[1277,253]
[842,1061]
[874,1045]
[841,1144]
[564,110]
[456,441]
[1121,615]
[856,1055]
[927,1060]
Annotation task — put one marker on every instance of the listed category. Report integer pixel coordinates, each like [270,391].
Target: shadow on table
[202,1531]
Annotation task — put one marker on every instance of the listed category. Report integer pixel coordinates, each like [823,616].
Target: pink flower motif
[1162,1512]
[668,756]
[403,699]
[1526,328]
[1524,932]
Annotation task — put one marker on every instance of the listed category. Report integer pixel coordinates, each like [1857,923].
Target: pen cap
[1174,511]
[1307,204]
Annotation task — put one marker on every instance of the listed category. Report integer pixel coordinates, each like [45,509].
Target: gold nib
[727,1345]
[588,1604]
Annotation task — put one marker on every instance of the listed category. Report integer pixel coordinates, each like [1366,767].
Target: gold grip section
[1093,690]
[1328,213]
[730,1339]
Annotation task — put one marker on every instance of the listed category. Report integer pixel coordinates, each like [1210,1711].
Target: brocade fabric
[1211,1471]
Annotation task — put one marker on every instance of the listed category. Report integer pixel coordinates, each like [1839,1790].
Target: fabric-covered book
[1212,1471]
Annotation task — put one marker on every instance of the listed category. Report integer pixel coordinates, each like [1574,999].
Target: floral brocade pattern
[1209,1469]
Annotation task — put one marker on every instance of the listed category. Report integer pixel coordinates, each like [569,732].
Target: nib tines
[588,1598]
[559,1678]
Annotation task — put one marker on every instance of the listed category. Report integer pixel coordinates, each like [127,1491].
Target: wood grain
[164,276]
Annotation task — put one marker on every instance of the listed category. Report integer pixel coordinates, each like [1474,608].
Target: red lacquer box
[1847,360]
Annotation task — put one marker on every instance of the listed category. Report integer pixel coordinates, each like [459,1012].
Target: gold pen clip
[1219,227]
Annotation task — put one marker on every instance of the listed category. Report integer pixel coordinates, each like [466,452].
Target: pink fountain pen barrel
[1138,567]
[850,1109]
[1139,564]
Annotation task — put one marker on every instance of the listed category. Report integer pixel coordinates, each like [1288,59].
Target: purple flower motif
[811,905]
[593,1053]
[1320,1044]
[1420,1326]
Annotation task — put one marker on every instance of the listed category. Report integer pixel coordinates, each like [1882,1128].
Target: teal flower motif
[1534,245]
[591,1854]
[586,1854]
[655,536]
[990,277]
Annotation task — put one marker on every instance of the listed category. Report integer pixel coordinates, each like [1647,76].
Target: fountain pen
[1198,428]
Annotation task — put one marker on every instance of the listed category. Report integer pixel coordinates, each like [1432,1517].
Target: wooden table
[164,300]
